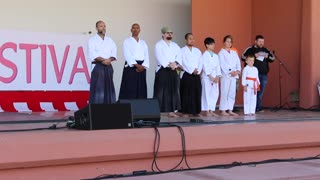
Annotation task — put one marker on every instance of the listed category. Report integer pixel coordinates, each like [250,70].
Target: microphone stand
[281,64]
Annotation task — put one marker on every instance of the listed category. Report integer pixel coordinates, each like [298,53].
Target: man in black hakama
[134,84]
[190,85]
[166,85]
[102,52]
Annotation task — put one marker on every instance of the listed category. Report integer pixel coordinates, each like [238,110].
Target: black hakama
[166,89]
[133,84]
[190,90]
[101,85]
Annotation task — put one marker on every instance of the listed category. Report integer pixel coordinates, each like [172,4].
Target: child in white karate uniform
[230,69]
[250,83]
[211,73]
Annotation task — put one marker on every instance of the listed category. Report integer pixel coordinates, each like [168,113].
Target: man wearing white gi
[210,78]
[166,84]
[102,52]
[190,84]
[250,82]
[230,67]
[134,83]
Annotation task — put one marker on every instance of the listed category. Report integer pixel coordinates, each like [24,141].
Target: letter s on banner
[7,62]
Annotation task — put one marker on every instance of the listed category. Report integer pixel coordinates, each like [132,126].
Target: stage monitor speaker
[144,109]
[104,116]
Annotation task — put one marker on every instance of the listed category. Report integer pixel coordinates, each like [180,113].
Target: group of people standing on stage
[186,80]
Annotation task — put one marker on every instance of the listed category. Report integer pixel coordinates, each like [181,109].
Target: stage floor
[28,120]
[53,154]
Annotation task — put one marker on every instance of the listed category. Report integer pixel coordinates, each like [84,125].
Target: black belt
[126,63]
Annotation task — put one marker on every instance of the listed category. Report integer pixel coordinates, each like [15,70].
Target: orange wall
[280,23]
[289,27]
[310,64]
[315,100]
[217,18]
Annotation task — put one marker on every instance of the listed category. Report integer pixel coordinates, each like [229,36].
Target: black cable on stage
[156,145]
[52,127]
[184,146]
[183,142]
[155,165]
[221,166]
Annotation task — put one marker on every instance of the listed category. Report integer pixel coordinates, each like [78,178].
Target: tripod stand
[281,65]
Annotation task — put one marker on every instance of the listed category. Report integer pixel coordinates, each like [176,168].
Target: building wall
[280,23]
[290,29]
[80,16]
[289,26]
[310,74]
[218,18]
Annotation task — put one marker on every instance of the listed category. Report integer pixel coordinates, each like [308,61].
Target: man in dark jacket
[262,59]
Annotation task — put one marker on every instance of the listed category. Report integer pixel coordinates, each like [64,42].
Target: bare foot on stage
[178,114]
[233,114]
[195,115]
[205,113]
[185,115]
[213,114]
[173,115]
[224,113]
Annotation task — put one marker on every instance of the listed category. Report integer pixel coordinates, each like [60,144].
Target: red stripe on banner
[33,99]
[57,104]
[7,106]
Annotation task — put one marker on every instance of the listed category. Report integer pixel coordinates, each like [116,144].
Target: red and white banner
[43,61]
[48,67]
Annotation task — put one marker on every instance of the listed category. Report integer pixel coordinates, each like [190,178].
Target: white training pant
[249,101]
[228,93]
[210,94]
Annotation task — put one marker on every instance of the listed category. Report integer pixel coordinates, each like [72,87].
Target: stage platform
[78,154]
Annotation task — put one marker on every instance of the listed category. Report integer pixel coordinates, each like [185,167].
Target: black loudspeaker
[104,116]
[144,109]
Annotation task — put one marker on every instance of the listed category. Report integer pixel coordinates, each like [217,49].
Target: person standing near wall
[134,83]
[210,78]
[102,52]
[236,109]
[250,83]
[230,68]
[166,85]
[190,85]
[262,59]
